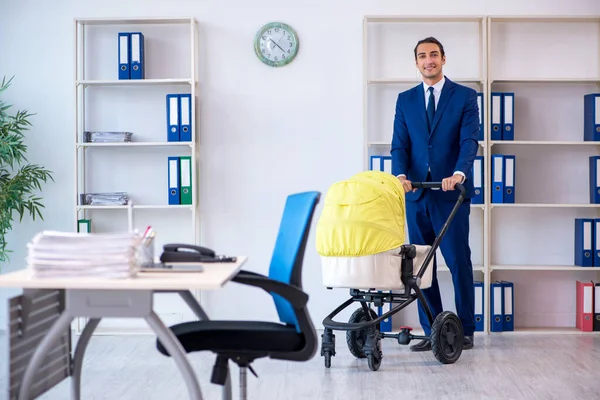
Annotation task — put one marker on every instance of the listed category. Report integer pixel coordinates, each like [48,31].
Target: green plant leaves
[19,181]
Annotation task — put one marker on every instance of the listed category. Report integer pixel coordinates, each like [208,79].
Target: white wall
[265,132]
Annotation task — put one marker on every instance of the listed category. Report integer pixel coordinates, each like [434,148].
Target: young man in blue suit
[435,139]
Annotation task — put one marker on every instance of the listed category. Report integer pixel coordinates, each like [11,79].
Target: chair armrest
[291,293]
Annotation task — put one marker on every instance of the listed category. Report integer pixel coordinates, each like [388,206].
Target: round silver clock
[276,44]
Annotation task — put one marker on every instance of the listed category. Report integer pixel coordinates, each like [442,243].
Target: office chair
[243,342]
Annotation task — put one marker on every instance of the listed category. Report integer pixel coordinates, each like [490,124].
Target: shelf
[542,268]
[387,81]
[550,330]
[544,18]
[134,82]
[421,18]
[543,205]
[546,80]
[544,142]
[135,21]
[380,143]
[141,207]
[134,144]
[444,268]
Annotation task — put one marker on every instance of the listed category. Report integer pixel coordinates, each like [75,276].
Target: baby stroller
[361,241]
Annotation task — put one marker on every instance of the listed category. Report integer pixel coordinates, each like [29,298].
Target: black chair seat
[236,337]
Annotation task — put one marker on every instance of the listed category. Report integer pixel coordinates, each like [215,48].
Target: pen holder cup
[145,254]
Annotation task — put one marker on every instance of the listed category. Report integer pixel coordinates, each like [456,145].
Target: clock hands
[277,44]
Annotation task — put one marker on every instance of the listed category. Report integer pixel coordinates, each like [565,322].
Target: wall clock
[276,44]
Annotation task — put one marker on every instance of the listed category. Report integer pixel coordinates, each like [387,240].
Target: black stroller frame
[363,335]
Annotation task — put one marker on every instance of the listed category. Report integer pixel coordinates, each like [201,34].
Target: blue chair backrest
[288,255]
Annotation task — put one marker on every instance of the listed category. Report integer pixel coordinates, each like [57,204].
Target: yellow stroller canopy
[363,215]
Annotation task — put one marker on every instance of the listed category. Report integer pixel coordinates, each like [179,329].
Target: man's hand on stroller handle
[437,185]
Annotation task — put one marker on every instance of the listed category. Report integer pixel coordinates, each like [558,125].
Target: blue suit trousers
[425,219]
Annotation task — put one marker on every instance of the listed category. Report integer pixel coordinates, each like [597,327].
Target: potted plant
[19,180]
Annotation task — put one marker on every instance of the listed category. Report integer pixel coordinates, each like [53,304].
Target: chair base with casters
[396,278]
[293,338]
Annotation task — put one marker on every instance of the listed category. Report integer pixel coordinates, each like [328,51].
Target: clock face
[276,44]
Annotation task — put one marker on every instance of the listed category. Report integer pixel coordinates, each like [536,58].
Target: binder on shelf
[596,240]
[584,238]
[508,111]
[498,178]
[381,163]
[186,179]
[84,225]
[478,178]
[496,307]
[137,56]
[591,119]
[508,294]
[596,323]
[594,181]
[174,174]
[480,105]
[584,304]
[496,112]
[185,112]
[509,179]
[479,306]
[173,118]
[124,55]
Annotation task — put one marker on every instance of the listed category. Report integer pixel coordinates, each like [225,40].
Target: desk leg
[82,343]
[190,300]
[176,351]
[62,323]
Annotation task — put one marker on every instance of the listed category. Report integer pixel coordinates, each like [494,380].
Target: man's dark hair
[430,39]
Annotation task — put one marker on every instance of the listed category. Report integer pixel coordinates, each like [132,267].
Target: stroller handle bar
[438,239]
[437,185]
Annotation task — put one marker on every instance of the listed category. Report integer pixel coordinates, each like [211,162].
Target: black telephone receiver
[182,252]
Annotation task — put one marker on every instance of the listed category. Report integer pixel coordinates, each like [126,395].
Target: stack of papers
[106,137]
[105,199]
[54,254]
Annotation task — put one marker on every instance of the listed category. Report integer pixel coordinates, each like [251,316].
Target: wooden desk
[40,320]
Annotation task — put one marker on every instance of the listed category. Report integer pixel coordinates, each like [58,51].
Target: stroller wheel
[374,362]
[447,337]
[357,339]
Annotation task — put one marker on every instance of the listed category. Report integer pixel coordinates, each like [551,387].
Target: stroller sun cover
[360,232]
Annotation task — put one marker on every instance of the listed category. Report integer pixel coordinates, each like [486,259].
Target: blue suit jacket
[451,146]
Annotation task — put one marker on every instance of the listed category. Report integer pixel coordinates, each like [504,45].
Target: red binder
[585,306]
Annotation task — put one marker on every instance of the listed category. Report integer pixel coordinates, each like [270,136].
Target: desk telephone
[181,252]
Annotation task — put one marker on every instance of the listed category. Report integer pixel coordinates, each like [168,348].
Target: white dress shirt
[437,91]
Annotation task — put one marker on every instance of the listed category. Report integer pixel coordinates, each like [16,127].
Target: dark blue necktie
[430,107]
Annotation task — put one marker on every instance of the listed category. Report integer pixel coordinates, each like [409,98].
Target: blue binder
[508,113]
[479,313]
[386,324]
[596,244]
[376,163]
[594,181]
[185,110]
[591,119]
[124,55]
[509,178]
[584,240]
[137,56]
[480,105]
[496,307]
[508,297]
[497,113]
[173,180]
[478,180]
[173,118]
[497,178]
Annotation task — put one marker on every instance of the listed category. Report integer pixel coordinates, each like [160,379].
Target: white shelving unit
[140,167]
[529,242]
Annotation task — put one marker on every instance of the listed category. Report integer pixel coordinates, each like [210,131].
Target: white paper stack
[53,254]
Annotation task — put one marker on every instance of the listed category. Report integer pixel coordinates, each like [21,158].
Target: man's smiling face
[430,60]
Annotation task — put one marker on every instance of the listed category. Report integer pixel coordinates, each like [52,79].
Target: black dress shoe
[468,343]
[423,345]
